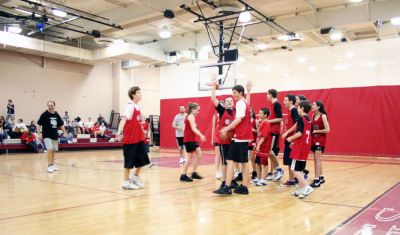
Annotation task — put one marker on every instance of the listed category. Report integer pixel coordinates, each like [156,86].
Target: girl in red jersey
[135,154]
[320,127]
[215,142]
[191,144]
[301,143]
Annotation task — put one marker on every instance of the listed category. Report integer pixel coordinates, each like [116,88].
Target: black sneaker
[239,177]
[253,175]
[241,190]
[225,190]
[196,176]
[234,184]
[316,183]
[185,178]
[321,179]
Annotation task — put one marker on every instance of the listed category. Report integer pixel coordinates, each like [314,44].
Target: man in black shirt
[48,125]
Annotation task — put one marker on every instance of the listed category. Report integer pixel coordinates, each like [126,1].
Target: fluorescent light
[23,11]
[59,13]
[356,1]
[14,29]
[395,21]
[302,59]
[312,69]
[340,67]
[350,55]
[336,36]
[118,42]
[165,33]
[245,17]
[262,46]
[371,64]
[283,37]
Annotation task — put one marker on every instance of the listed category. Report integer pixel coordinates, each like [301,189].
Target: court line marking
[353,217]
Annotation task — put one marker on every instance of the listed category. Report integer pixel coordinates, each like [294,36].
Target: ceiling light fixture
[262,46]
[336,35]
[118,42]
[59,13]
[302,59]
[395,21]
[245,17]
[165,33]
[23,11]
[355,1]
[14,29]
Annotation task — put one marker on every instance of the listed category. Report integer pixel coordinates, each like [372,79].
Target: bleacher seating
[80,141]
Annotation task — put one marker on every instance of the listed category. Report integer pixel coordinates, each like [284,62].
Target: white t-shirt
[89,124]
[129,110]
[240,108]
[20,126]
[179,121]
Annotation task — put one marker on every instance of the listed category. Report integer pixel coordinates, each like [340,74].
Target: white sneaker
[135,180]
[261,183]
[50,169]
[129,185]
[55,168]
[278,174]
[270,176]
[255,181]
[306,191]
[297,192]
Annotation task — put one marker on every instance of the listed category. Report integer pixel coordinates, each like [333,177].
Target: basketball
[227,137]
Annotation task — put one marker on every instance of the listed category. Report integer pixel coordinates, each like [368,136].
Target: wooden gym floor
[85,197]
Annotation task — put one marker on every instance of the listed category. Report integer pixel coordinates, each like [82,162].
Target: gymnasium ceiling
[142,20]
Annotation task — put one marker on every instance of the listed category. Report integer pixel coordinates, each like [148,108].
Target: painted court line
[381,216]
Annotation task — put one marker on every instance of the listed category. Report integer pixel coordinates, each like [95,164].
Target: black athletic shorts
[250,147]
[262,160]
[179,142]
[298,165]
[191,146]
[287,161]
[238,152]
[224,151]
[216,144]
[275,143]
[317,148]
[135,155]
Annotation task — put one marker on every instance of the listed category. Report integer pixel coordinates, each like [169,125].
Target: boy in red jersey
[191,144]
[289,102]
[301,143]
[135,154]
[238,150]
[263,148]
[275,119]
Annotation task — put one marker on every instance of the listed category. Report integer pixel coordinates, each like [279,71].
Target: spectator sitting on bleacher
[89,125]
[2,122]
[3,135]
[9,127]
[75,126]
[28,138]
[67,139]
[20,128]
[32,127]
[99,131]
[81,126]
[101,119]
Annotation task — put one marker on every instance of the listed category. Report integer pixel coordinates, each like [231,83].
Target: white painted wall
[80,89]
[148,79]
[368,63]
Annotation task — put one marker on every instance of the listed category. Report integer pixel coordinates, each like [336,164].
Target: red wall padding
[363,120]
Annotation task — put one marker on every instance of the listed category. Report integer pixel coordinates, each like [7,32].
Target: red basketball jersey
[133,132]
[189,135]
[275,127]
[289,121]
[254,127]
[264,130]
[243,130]
[225,120]
[301,146]
[318,138]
